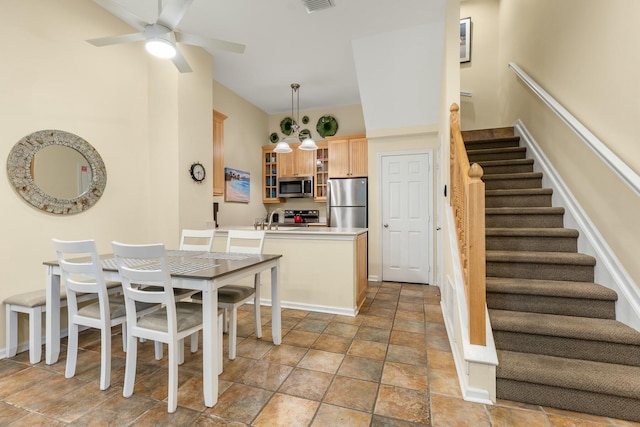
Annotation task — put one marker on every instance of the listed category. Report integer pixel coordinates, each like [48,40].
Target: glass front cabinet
[322,171]
[269,175]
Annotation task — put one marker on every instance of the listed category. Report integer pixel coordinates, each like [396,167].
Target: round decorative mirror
[57,172]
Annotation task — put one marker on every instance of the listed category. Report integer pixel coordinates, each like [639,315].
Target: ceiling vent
[315,5]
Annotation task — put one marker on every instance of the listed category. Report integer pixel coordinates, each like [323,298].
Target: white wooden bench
[34,303]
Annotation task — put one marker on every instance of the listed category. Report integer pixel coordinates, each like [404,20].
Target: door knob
[386,225]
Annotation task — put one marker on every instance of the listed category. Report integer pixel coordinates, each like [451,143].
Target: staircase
[558,342]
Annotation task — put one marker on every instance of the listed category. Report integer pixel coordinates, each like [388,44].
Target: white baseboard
[609,271]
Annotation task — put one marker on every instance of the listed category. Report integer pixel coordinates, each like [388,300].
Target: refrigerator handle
[328,203]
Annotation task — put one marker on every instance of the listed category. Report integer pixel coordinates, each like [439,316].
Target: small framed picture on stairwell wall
[465,40]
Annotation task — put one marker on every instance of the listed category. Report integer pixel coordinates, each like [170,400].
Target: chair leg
[181,352]
[220,345]
[174,354]
[11,330]
[225,321]
[35,335]
[233,331]
[157,345]
[72,350]
[105,357]
[194,342]
[124,336]
[130,367]
[256,306]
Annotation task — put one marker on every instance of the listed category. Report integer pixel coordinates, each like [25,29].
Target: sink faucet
[271,217]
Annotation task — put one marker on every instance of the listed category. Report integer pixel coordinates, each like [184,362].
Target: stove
[308,216]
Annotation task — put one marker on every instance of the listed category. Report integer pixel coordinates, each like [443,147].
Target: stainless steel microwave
[295,186]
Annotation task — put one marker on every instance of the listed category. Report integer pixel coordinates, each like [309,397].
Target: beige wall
[349,117]
[245,131]
[587,58]
[481,75]
[132,109]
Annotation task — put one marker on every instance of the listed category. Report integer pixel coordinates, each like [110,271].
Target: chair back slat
[245,241]
[197,240]
[81,272]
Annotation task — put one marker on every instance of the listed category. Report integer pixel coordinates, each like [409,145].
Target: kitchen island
[322,269]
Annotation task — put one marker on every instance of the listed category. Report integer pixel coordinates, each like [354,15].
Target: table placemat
[221,255]
[111,264]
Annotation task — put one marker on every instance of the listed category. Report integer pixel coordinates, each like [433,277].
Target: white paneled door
[406,200]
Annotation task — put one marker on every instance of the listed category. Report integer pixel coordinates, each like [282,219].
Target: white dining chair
[231,297]
[195,240]
[82,275]
[169,325]
[190,240]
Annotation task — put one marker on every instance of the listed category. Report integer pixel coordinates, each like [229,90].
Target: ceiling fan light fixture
[160,47]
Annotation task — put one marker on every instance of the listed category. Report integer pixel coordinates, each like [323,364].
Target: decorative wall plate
[286,125]
[273,138]
[304,134]
[327,126]
[305,120]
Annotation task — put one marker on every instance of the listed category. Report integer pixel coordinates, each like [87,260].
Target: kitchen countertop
[299,231]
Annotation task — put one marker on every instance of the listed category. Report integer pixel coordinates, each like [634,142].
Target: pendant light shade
[308,144]
[282,147]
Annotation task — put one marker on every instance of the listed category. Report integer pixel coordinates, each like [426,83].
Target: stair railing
[467,203]
[617,165]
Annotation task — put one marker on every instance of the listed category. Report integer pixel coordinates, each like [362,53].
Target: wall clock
[197,172]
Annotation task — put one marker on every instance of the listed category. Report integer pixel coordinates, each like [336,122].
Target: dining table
[195,270]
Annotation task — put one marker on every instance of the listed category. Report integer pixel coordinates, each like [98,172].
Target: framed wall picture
[465,40]
[236,185]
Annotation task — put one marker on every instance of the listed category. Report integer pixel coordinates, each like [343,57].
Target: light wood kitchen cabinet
[218,153]
[297,163]
[322,172]
[348,156]
[270,167]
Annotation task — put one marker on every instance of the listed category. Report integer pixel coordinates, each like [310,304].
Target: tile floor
[389,366]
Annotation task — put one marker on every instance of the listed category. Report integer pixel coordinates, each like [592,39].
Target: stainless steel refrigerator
[347,202]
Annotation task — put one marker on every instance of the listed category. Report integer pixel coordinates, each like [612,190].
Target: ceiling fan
[162,35]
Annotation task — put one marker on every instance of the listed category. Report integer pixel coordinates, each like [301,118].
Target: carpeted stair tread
[525,211]
[555,288]
[519,192]
[489,151]
[596,377]
[505,162]
[471,142]
[585,328]
[541,257]
[531,232]
[522,175]
[501,132]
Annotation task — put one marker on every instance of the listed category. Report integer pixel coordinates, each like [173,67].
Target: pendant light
[308,144]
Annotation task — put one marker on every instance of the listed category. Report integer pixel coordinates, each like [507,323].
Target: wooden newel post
[476,256]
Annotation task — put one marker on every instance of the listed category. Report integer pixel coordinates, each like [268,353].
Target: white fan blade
[123,14]
[213,44]
[173,13]
[181,63]
[125,38]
